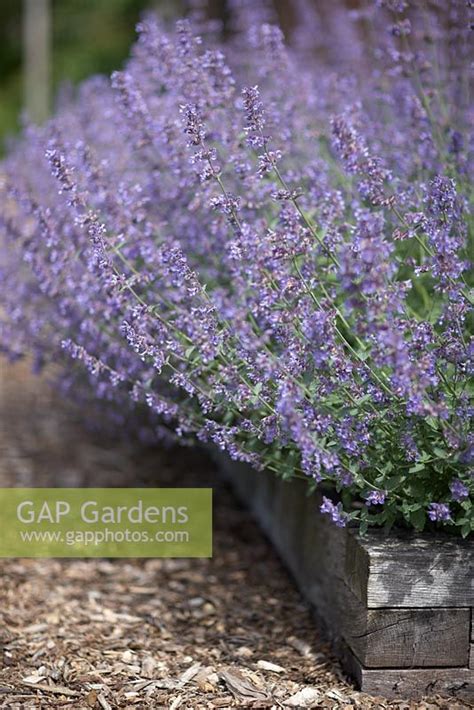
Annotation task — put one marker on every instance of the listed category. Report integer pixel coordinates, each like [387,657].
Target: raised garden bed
[398,609]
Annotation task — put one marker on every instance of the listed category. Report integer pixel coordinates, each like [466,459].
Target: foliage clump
[265,246]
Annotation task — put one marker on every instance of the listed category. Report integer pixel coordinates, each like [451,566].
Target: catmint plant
[264,246]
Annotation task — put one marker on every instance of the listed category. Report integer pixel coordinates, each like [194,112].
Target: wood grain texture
[264,487]
[289,514]
[405,641]
[410,638]
[389,638]
[318,554]
[453,682]
[411,571]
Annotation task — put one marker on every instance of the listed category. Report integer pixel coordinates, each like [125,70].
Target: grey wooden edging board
[409,638]
[333,569]
[411,571]
[412,682]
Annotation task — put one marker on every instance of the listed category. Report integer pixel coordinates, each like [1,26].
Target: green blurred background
[87,37]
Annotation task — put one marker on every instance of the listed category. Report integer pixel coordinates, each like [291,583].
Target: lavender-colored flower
[376,498]
[401,28]
[442,198]
[446,232]
[193,124]
[336,513]
[254,116]
[394,5]
[203,251]
[410,446]
[459,491]
[354,152]
[439,512]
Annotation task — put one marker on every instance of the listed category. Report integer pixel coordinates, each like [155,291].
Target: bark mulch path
[106,634]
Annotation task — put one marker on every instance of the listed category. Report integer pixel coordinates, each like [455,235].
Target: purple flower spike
[336,513]
[439,512]
[223,262]
[458,490]
[376,498]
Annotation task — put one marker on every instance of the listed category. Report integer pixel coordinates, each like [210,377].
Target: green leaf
[417,467]
[418,519]
[441,453]
[394,482]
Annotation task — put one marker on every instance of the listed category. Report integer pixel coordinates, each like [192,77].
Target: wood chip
[188,675]
[207,679]
[34,629]
[91,699]
[56,689]
[241,687]
[300,646]
[244,652]
[205,685]
[305,698]
[149,666]
[224,702]
[103,702]
[35,679]
[336,695]
[271,667]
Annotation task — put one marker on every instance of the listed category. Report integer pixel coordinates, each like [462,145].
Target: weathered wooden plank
[314,550]
[471,657]
[287,526]
[243,478]
[263,501]
[324,545]
[413,683]
[408,649]
[321,570]
[391,638]
[356,573]
[411,571]
[410,638]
